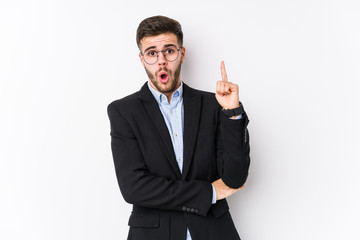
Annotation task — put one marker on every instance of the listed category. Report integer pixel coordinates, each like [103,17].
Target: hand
[227,93]
[222,190]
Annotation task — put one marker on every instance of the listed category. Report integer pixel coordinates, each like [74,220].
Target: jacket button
[196,210]
[184,208]
[192,210]
[188,209]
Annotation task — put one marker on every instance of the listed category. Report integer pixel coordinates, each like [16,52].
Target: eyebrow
[166,45]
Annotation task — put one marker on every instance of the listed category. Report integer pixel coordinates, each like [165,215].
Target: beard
[174,78]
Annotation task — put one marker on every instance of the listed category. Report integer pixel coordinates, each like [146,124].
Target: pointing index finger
[223,72]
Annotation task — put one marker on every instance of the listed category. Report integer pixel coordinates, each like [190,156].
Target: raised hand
[227,93]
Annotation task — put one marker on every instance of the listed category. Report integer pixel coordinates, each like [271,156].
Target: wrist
[231,106]
[234,112]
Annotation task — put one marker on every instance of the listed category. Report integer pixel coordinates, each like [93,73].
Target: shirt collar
[178,93]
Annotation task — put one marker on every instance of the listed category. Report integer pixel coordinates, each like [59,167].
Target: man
[178,152]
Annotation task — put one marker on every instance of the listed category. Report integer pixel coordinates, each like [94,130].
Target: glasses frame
[163,52]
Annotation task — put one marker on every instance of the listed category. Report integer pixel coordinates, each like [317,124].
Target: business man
[178,152]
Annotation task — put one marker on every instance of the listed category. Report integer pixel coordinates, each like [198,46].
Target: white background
[297,66]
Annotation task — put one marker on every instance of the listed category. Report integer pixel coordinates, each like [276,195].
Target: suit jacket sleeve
[233,150]
[141,187]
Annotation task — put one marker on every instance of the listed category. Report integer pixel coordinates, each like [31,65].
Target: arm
[232,138]
[140,187]
[233,150]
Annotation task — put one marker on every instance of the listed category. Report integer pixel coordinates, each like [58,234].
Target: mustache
[163,69]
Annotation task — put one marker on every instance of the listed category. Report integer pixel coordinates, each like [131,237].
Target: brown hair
[157,25]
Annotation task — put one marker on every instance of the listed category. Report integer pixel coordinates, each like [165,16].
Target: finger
[220,87]
[223,72]
[227,87]
[233,88]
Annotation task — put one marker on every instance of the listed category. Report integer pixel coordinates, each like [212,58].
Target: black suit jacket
[166,202]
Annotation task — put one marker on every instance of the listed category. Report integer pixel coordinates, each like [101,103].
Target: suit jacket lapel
[192,107]
[154,113]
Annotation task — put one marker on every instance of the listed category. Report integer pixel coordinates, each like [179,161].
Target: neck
[167,94]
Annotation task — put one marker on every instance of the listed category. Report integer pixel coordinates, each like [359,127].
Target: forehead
[159,41]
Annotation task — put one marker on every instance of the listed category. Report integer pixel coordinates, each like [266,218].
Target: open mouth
[164,77]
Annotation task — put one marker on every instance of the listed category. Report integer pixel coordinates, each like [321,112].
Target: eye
[151,53]
[169,50]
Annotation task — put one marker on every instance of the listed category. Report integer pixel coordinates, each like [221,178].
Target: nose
[161,59]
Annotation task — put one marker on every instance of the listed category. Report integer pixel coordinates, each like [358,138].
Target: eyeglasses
[170,54]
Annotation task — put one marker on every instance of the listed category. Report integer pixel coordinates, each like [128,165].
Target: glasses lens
[150,56]
[171,53]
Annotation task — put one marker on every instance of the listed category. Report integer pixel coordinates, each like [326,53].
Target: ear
[182,52]
[141,59]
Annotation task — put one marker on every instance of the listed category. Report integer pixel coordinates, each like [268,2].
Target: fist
[227,93]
